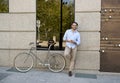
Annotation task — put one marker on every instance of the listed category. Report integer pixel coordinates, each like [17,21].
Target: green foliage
[68,16]
[3,6]
[49,14]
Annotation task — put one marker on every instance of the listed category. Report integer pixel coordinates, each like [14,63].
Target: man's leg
[73,59]
[67,54]
[67,51]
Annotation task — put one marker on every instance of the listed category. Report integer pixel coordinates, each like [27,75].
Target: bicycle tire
[23,62]
[56,62]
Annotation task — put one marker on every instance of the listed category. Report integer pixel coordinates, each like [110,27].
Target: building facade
[18,28]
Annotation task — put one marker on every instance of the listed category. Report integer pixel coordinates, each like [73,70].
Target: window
[54,17]
[4,6]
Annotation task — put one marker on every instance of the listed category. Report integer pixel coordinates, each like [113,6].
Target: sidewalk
[37,76]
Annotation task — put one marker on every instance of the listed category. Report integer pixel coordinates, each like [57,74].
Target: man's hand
[71,41]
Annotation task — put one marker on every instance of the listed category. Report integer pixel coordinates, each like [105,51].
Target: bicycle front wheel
[23,62]
[56,63]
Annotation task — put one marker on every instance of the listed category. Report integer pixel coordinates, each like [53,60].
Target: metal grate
[82,75]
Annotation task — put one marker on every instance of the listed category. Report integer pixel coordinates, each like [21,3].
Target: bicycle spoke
[23,62]
[57,63]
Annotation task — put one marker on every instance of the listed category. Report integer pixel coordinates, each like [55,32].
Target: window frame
[61,32]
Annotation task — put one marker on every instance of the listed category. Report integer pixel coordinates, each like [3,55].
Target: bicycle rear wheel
[23,62]
[56,62]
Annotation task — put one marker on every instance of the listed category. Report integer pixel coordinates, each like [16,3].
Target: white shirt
[72,35]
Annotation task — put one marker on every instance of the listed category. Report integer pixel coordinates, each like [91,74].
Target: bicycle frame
[55,62]
[37,58]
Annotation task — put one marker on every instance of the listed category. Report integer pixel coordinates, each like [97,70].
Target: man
[72,39]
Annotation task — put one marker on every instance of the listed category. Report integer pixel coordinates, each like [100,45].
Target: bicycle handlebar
[51,45]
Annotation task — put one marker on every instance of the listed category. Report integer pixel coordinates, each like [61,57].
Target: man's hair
[75,23]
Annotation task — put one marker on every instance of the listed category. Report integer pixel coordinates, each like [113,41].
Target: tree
[48,12]
[3,6]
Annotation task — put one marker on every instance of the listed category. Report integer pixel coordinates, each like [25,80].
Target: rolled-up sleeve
[65,36]
[78,41]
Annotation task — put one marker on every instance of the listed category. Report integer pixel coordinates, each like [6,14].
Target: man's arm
[65,37]
[77,42]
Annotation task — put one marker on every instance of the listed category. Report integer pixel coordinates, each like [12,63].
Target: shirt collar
[74,31]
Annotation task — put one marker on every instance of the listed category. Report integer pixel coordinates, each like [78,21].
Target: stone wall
[87,14]
[18,28]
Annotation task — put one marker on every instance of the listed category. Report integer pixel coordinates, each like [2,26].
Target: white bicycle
[24,61]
